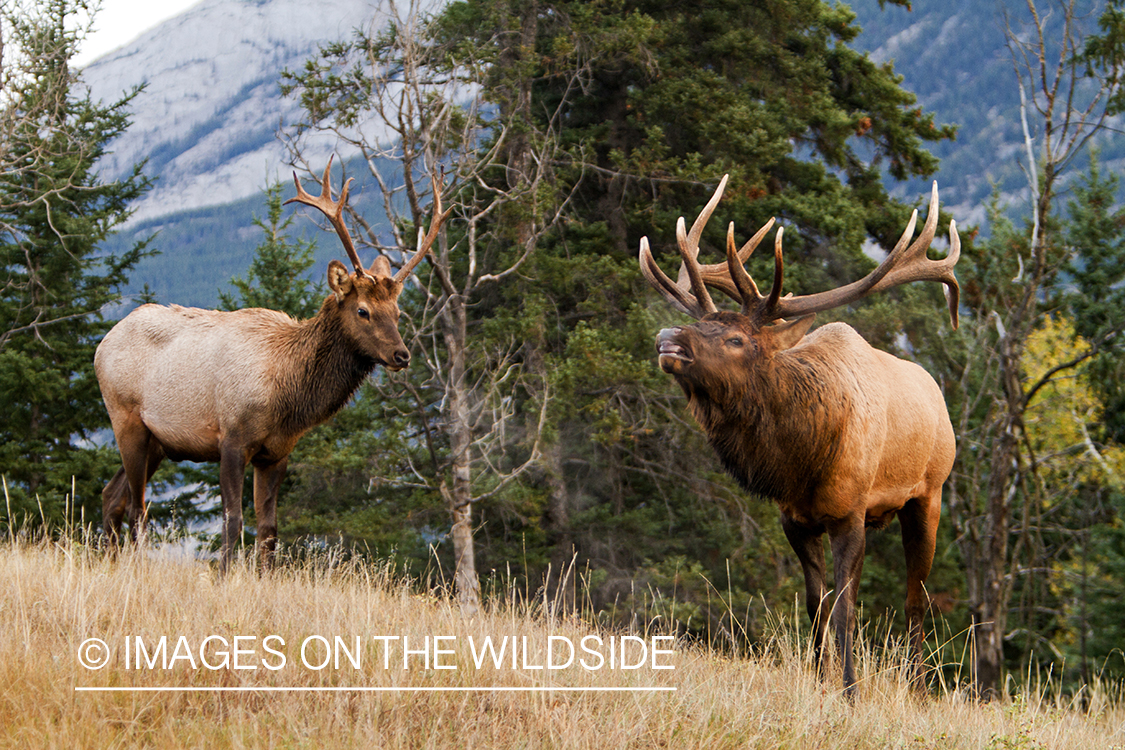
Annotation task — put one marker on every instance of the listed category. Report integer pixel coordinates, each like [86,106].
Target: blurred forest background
[533,437]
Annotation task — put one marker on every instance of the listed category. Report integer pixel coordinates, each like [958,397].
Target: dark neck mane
[776,439]
[320,370]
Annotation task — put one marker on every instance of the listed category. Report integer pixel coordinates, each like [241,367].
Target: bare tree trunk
[417,103]
[459,494]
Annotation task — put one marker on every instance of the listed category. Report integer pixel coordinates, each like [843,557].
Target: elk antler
[333,210]
[904,264]
[696,302]
[683,293]
[424,245]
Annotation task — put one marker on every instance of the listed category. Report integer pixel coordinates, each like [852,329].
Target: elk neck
[324,370]
[777,432]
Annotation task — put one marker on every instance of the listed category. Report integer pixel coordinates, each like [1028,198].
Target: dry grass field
[231,672]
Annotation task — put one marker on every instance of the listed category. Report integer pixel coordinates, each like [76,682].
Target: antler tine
[743,282]
[436,221]
[689,253]
[705,216]
[953,291]
[689,291]
[719,276]
[688,243]
[332,209]
[678,295]
[778,274]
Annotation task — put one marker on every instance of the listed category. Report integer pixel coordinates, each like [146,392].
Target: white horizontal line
[282,689]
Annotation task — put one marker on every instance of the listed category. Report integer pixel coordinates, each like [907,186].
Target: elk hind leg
[136,513]
[919,520]
[808,543]
[115,501]
[267,483]
[123,497]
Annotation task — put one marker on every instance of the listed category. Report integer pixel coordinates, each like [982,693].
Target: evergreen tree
[672,96]
[278,275]
[648,104]
[1085,529]
[54,211]
[1095,232]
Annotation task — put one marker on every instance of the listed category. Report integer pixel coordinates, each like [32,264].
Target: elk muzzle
[674,351]
[399,360]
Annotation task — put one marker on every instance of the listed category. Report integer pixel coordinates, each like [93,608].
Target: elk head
[365,302]
[725,348]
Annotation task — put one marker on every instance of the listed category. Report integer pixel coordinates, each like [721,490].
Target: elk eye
[735,341]
[363,313]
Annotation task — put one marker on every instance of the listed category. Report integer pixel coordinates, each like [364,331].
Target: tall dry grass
[58,594]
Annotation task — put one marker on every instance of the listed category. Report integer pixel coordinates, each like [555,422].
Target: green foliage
[55,211]
[658,102]
[277,277]
[1097,298]
[1059,522]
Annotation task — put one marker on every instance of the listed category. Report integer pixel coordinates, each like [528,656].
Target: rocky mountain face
[207,116]
[954,56]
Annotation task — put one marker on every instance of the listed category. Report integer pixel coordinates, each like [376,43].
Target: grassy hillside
[58,595]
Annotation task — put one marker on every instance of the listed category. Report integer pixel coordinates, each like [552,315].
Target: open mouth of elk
[670,350]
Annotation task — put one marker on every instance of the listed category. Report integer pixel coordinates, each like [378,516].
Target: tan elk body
[242,387]
[842,436]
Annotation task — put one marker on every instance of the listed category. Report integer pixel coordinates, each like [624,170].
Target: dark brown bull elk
[242,387]
[840,435]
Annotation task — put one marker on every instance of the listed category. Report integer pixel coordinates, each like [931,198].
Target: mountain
[206,120]
[953,55]
[211,104]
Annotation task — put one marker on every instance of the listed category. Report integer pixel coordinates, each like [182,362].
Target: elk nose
[401,358]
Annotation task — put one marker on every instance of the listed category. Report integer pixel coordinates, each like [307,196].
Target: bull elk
[242,387]
[840,435]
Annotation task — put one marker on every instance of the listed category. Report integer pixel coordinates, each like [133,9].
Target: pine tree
[1095,232]
[671,97]
[277,278]
[54,211]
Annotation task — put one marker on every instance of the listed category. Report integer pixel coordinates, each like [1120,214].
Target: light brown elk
[840,435]
[242,387]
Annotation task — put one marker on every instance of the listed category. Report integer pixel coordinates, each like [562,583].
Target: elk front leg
[848,543]
[807,542]
[232,470]
[919,520]
[267,482]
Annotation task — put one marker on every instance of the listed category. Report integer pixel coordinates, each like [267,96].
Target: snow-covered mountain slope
[211,104]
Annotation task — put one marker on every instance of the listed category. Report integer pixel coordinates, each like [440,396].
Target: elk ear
[788,334]
[381,266]
[339,281]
